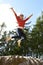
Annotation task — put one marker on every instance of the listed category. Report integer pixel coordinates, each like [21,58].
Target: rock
[19,60]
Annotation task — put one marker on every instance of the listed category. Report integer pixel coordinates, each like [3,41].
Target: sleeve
[28,18]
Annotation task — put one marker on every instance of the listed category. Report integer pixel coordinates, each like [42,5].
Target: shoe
[8,38]
[19,41]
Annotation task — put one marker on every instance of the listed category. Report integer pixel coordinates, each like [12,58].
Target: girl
[21,22]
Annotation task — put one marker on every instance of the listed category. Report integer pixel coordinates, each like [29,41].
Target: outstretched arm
[14,12]
[28,17]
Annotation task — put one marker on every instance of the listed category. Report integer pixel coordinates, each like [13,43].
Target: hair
[21,15]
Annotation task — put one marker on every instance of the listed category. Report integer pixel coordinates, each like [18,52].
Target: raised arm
[14,12]
[28,17]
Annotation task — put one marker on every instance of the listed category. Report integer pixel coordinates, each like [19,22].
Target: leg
[19,39]
[16,37]
[21,35]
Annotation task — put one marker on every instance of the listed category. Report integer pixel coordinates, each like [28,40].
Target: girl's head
[21,16]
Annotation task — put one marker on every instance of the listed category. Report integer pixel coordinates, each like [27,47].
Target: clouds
[7,16]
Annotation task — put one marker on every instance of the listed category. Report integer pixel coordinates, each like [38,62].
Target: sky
[27,7]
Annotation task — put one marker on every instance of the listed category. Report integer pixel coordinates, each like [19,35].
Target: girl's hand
[11,8]
[31,14]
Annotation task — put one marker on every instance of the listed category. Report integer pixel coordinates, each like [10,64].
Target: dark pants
[20,34]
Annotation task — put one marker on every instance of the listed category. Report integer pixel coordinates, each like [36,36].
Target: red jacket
[21,22]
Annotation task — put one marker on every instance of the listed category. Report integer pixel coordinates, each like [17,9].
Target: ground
[19,60]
